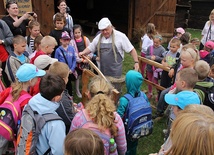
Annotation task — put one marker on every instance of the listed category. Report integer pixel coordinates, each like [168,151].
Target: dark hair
[51,86]
[58,17]
[60,1]
[9,3]
[185,38]
[77,26]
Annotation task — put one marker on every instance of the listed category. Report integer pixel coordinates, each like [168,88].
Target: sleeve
[73,60]
[14,65]
[145,44]
[8,36]
[93,45]
[123,103]
[4,95]
[56,136]
[9,22]
[203,32]
[148,55]
[159,57]
[57,56]
[76,122]
[126,44]
[121,136]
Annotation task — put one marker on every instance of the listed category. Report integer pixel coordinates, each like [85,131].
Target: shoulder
[118,33]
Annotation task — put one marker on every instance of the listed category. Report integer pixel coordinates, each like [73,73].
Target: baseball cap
[43,61]
[27,72]
[104,23]
[209,44]
[180,30]
[65,35]
[182,99]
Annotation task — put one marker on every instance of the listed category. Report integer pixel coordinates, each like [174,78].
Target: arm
[7,34]
[21,19]
[120,139]
[135,58]
[73,60]
[123,102]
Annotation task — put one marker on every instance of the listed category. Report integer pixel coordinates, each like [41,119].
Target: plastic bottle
[113,145]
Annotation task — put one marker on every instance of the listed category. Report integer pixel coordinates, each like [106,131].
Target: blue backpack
[138,117]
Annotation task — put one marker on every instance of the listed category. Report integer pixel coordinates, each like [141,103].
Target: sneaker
[157,114]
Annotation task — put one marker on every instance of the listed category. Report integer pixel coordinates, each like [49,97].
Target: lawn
[153,142]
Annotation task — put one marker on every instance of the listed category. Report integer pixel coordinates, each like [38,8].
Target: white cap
[43,61]
[104,23]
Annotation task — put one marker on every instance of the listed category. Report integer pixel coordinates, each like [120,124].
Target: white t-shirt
[121,42]
[146,42]
[205,31]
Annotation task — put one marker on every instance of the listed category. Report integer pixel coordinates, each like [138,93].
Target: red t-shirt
[38,53]
[35,89]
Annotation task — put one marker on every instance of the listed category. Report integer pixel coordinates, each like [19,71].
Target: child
[155,53]
[88,142]
[59,23]
[100,111]
[37,46]
[188,58]
[211,73]
[82,42]
[53,133]
[34,29]
[203,86]
[133,81]
[18,57]
[147,41]
[48,44]
[65,53]
[26,77]
[206,53]
[170,58]
[66,109]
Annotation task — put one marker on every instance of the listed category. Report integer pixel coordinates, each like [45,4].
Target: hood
[205,84]
[133,80]
[42,105]
[203,53]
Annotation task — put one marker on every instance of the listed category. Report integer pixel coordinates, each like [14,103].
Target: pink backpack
[10,113]
[105,135]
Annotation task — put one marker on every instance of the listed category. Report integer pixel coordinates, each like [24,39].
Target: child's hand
[153,57]
[164,64]
[171,72]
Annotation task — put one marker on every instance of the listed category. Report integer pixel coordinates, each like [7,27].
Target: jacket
[53,133]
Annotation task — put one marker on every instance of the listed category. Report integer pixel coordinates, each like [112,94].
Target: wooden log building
[128,16]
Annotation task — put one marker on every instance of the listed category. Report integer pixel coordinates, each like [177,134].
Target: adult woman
[208,30]
[62,6]
[17,24]
[100,112]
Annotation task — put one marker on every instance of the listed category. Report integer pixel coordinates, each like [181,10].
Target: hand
[136,66]
[80,54]
[153,57]
[153,154]
[34,15]
[171,72]
[26,15]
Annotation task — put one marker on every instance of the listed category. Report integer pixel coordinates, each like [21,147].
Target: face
[20,48]
[178,35]
[175,110]
[49,49]
[157,42]
[174,47]
[62,7]
[212,15]
[66,78]
[33,81]
[60,24]
[107,32]
[13,10]
[35,31]
[186,59]
[65,42]
[77,33]
[179,83]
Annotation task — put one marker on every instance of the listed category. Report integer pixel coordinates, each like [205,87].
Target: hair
[212,12]
[202,68]
[60,1]
[59,68]
[150,30]
[19,39]
[48,41]
[158,37]
[176,41]
[192,51]
[17,88]
[32,24]
[212,70]
[59,17]
[9,3]
[83,142]
[77,26]
[185,38]
[101,108]
[51,86]
[194,40]
[190,77]
[37,41]
[192,134]
[197,108]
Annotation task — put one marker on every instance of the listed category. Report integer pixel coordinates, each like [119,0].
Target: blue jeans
[161,102]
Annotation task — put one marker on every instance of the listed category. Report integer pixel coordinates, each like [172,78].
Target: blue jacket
[53,133]
[69,54]
[133,81]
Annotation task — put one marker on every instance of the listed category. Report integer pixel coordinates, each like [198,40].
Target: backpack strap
[10,70]
[28,40]
[64,56]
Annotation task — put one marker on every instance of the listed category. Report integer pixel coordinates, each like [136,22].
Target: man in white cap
[111,45]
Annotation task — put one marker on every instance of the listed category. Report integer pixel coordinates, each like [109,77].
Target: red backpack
[10,113]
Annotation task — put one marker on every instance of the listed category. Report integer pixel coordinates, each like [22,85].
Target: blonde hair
[150,30]
[197,108]
[83,142]
[202,68]
[176,41]
[192,51]
[192,134]
[59,68]
[48,41]
[19,39]
[101,108]
[32,24]
[212,12]
[17,88]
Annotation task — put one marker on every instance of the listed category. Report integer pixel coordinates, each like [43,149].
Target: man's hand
[136,66]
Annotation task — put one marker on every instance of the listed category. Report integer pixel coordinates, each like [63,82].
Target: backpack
[206,95]
[138,117]
[29,130]
[105,135]
[10,113]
